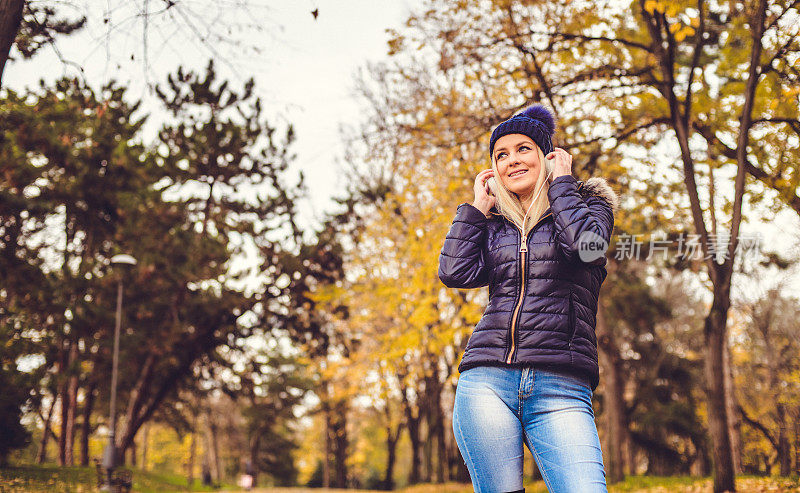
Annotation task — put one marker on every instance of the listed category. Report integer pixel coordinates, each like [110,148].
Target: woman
[537,239]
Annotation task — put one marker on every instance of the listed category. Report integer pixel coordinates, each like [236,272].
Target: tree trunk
[442,471]
[214,445]
[715,330]
[63,395]
[715,340]
[150,392]
[435,422]
[413,435]
[784,452]
[427,449]
[413,426]
[391,457]
[190,464]
[734,423]
[133,415]
[253,462]
[716,323]
[614,399]
[391,449]
[10,20]
[326,462]
[796,443]
[86,425]
[192,447]
[340,443]
[72,404]
[42,457]
[704,464]
[631,454]
[145,442]
[392,437]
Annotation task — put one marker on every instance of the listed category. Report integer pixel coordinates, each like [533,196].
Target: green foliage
[72,162]
[40,26]
[768,380]
[270,393]
[79,186]
[222,145]
[657,327]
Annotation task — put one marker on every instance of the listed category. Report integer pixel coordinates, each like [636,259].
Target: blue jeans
[498,408]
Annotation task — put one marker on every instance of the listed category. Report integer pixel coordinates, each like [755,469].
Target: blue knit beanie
[534,121]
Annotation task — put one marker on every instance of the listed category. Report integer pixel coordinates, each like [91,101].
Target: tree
[302,308]
[29,26]
[78,186]
[221,161]
[71,162]
[767,357]
[272,390]
[658,328]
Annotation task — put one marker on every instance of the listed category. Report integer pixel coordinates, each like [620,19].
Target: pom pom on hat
[536,121]
[539,112]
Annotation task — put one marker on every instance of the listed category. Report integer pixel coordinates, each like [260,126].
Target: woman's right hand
[483,201]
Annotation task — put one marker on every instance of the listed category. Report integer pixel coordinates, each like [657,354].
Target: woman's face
[517,162]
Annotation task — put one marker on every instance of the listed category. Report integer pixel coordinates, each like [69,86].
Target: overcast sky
[303,66]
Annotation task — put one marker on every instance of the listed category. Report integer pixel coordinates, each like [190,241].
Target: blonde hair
[509,204]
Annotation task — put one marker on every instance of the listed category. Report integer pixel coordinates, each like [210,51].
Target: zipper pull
[523,245]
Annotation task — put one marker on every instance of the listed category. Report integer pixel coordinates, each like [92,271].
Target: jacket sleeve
[461,261]
[575,216]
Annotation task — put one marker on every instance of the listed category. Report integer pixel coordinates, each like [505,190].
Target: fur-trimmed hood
[599,187]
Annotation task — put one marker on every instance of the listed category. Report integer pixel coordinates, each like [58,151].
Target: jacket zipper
[523,250]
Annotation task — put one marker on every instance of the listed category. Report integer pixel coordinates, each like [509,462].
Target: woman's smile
[517,162]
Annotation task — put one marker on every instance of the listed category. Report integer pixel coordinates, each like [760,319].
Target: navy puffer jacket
[542,294]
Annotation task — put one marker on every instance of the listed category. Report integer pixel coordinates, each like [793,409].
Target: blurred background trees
[328,357]
[83,186]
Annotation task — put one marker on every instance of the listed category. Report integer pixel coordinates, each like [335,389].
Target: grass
[47,478]
[639,484]
[35,479]
[688,484]
[151,482]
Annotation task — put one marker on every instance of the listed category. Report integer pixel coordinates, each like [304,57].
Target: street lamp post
[109,455]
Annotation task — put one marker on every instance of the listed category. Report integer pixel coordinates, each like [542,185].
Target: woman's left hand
[562,162]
